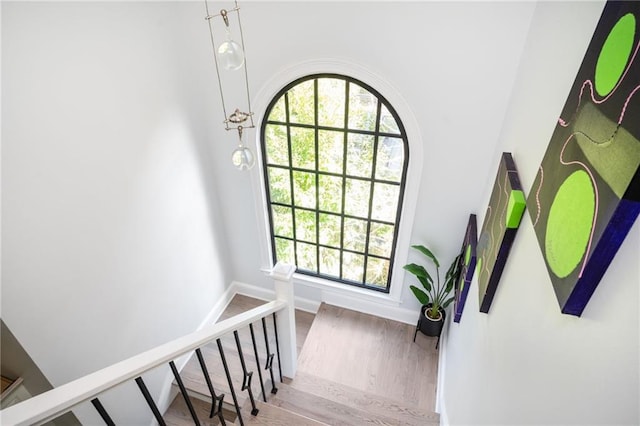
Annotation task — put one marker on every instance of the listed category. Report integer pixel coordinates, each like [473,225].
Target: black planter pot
[428,326]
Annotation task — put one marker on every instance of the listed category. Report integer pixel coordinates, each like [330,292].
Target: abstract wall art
[586,194]
[501,222]
[467,266]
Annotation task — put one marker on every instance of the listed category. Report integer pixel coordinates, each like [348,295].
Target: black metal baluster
[275,329]
[246,380]
[226,371]
[269,364]
[215,400]
[152,405]
[183,391]
[255,352]
[103,413]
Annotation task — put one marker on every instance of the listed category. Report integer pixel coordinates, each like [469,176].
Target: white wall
[453,63]
[120,205]
[525,362]
[111,233]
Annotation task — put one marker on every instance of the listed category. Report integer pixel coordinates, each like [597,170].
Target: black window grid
[346,131]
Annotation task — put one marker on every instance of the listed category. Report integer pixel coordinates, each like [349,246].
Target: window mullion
[372,181]
[337,129]
[316,152]
[345,142]
[291,186]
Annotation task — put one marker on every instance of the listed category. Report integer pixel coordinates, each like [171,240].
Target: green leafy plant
[437,294]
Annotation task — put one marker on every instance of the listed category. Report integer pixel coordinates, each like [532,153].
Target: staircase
[307,399]
[348,368]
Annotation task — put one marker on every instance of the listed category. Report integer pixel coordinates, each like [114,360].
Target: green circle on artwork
[615,54]
[467,255]
[569,224]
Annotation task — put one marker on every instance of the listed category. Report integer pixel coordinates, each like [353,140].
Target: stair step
[376,405]
[178,413]
[270,415]
[304,400]
[193,379]
[196,385]
[324,410]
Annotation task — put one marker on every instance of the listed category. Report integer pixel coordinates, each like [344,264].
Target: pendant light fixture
[230,60]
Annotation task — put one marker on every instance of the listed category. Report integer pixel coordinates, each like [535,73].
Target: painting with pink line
[586,195]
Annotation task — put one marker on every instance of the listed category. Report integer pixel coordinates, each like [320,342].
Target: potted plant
[436,296]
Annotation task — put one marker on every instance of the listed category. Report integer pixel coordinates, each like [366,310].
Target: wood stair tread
[327,411]
[178,413]
[308,399]
[271,415]
[195,384]
[384,407]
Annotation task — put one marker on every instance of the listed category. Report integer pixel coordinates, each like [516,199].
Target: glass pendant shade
[231,55]
[243,158]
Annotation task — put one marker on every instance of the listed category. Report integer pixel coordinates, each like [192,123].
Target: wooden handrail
[51,404]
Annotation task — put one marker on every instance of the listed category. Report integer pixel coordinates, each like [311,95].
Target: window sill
[344,289]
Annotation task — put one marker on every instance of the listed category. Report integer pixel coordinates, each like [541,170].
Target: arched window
[335,160]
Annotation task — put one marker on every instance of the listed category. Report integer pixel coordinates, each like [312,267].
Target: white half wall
[525,362]
[111,233]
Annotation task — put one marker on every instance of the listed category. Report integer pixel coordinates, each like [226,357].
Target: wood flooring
[353,369]
[5,384]
[371,354]
[241,303]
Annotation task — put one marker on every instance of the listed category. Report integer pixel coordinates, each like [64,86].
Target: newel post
[282,275]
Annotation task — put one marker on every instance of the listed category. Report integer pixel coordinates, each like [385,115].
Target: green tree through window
[335,160]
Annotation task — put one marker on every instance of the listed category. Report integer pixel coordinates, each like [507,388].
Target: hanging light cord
[223,13]
[246,73]
[215,59]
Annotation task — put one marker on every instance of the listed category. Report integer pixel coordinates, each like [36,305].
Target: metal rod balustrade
[216,400]
[49,405]
[255,353]
[103,413]
[183,391]
[275,329]
[150,402]
[269,363]
[226,371]
[248,375]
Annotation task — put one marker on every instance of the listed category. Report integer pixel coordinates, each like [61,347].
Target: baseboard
[218,308]
[266,294]
[333,298]
[370,307]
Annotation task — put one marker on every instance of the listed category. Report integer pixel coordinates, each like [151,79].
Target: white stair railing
[49,405]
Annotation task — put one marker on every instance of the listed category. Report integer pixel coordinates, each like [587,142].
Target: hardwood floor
[371,354]
[353,369]
[241,303]
[5,383]
[363,352]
